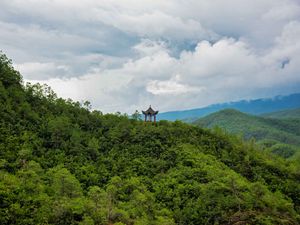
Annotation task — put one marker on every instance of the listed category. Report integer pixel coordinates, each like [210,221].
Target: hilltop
[61,163]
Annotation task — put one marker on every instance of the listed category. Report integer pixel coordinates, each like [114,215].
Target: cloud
[42,71]
[158,24]
[228,66]
[172,87]
[124,55]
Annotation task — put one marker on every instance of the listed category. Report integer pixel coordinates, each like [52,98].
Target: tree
[136,116]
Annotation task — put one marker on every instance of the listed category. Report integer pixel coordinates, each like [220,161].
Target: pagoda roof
[150,111]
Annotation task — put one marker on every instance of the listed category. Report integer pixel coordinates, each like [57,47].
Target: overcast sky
[123,55]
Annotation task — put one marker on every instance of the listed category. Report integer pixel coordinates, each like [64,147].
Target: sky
[124,55]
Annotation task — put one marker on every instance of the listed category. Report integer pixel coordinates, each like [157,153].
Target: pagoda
[149,113]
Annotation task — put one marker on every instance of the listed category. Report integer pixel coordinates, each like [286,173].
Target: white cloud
[282,12]
[158,24]
[174,54]
[172,87]
[41,71]
[223,71]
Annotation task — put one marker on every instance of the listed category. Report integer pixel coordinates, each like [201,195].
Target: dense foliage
[62,164]
[279,135]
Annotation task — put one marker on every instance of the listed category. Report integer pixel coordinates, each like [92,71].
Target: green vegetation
[284,114]
[62,164]
[279,136]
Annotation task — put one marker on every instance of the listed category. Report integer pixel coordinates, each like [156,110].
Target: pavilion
[149,114]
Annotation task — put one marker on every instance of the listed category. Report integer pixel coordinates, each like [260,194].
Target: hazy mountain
[256,107]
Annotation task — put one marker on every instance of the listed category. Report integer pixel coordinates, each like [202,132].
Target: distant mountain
[284,114]
[281,136]
[256,107]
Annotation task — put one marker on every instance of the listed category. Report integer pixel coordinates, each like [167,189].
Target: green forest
[277,132]
[62,163]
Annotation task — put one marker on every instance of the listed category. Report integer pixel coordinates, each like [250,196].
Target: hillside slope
[284,114]
[62,164]
[255,107]
[282,136]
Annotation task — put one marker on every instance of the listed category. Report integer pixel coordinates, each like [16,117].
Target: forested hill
[284,114]
[280,136]
[62,164]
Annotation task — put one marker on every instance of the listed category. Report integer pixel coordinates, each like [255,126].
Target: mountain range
[255,107]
